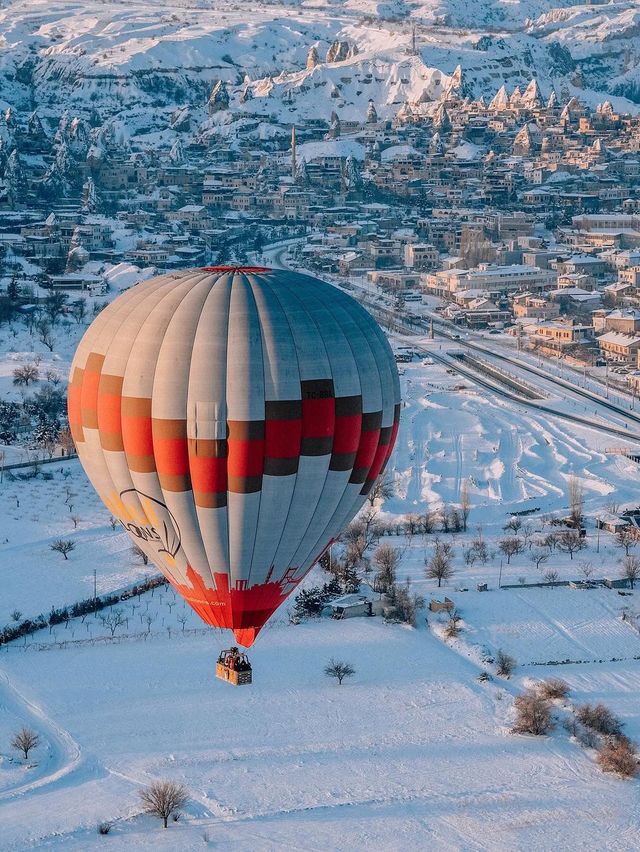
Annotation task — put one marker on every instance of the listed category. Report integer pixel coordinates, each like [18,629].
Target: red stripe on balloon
[208,475]
[318,417]
[89,392]
[346,437]
[282,438]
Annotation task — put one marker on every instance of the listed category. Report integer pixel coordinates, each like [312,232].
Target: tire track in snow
[65,753]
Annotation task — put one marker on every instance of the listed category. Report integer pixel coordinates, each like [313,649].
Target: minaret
[294,165]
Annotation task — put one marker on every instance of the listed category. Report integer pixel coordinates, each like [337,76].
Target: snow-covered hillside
[141,60]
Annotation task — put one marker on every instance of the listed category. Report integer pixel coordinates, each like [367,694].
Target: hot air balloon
[234,420]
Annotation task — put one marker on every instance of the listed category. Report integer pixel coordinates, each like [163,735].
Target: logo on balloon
[164,536]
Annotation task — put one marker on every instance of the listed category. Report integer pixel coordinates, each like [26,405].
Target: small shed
[618,583]
[611,523]
[354,605]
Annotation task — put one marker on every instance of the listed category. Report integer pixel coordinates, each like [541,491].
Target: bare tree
[452,630]
[25,374]
[570,541]
[76,520]
[114,522]
[44,334]
[479,547]
[383,489]
[527,532]
[55,305]
[551,575]
[539,557]
[413,523]
[182,619]
[465,504]
[576,500]
[163,798]
[469,556]
[339,670]
[631,569]
[430,520]
[626,538]
[25,740]
[511,546]
[357,537]
[455,520]
[514,523]
[586,568]
[63,546]
[386,559]
[79,310]
[405,602]
[533,714]
[113,619]
[439,567]
[369,520]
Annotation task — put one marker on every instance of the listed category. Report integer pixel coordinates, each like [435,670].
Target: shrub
[533,714]
[505,663]
[554,688]
[600,719]
[104,827]
[619,756]
[405,603]
[452,629]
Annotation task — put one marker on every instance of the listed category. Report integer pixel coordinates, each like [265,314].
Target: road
[412,325]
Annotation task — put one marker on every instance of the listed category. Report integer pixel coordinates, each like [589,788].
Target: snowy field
[413,751]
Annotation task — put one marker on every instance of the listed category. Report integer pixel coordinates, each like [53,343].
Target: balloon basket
[234,667]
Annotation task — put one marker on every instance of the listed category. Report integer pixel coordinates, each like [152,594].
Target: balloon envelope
[234,420]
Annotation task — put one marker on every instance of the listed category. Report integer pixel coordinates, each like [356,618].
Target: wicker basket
[237,678]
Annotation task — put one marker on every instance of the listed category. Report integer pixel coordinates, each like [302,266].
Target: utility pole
[294,164]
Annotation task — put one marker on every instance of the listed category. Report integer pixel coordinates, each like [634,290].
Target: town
[520,214]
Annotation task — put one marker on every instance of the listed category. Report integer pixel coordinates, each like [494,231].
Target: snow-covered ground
[412,751]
